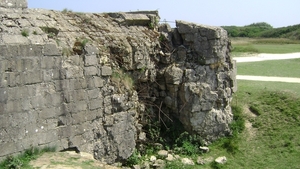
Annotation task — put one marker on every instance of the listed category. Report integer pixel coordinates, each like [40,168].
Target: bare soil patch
[68,160]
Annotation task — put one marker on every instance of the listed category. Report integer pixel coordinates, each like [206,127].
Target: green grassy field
[266,45]
[281,68]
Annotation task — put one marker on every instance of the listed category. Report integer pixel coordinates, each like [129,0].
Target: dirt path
[68,160]
[269,78]
[264,57]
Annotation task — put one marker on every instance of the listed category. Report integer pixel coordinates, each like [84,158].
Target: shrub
[25,32]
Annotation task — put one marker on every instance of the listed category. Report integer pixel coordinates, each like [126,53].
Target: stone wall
[66,79]
[13,3]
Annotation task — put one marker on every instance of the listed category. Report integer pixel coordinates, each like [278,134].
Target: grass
[25,32]
[273,139]
[275,142]
[265,45]
[281,68]
[23,160]
[122,80]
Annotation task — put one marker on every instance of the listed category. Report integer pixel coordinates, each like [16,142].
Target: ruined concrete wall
[199,84]
[13,3]
[66,79]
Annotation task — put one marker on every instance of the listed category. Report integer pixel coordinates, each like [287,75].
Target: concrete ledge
[14,4]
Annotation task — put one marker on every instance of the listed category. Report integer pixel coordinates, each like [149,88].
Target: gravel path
[263,57]
[269,78]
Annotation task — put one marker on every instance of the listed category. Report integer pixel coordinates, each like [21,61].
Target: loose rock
[187,161]
[221,160]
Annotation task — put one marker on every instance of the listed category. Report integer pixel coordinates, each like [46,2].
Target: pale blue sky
[278,13]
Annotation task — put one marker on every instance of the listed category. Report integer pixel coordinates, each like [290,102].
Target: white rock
[137,167]
[177,157]
[221,160]
[163,153]
[152,158]
[142,136]
[187,161]
[170,157]
[205,149]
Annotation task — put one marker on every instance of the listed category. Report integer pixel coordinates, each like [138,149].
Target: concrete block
[136,19]
[76,141]
[47,113]
[65,132]
[64,120]
[98,82]
[19,79]
[13,4]
[94,114]
[79,83]
[23,50]
[3,79]
[33,77]
[51,124]
[80,106]
[48,62]
[38,102]
[15,39]
[90,83]
[31,90]
[16,133]
[47,75]
[96,104]
[79,118]
[26,105]
[91,50]
[3,121]
[92,94]
[7,148]
[72,71]
[2,108]
[67,85]
[3,95]
[56,99]
[79,95]
[106,71]
[90,60]
[13,106]
[47,137]
[91,71]
[51,50]
[18,119]
[3,50]
[3,64]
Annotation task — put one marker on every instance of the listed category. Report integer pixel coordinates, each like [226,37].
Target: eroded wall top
[13,3]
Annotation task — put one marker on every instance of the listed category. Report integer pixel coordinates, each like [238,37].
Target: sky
[278,13]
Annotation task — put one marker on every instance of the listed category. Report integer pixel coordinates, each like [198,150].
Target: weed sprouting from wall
[122,80]
[79,45]
[25,32]
[52,32]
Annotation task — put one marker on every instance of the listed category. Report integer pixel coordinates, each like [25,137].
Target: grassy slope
[274,142]
[265,45]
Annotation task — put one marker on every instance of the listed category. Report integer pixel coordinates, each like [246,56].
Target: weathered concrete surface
[13,3]
[87,80]
[201,79]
